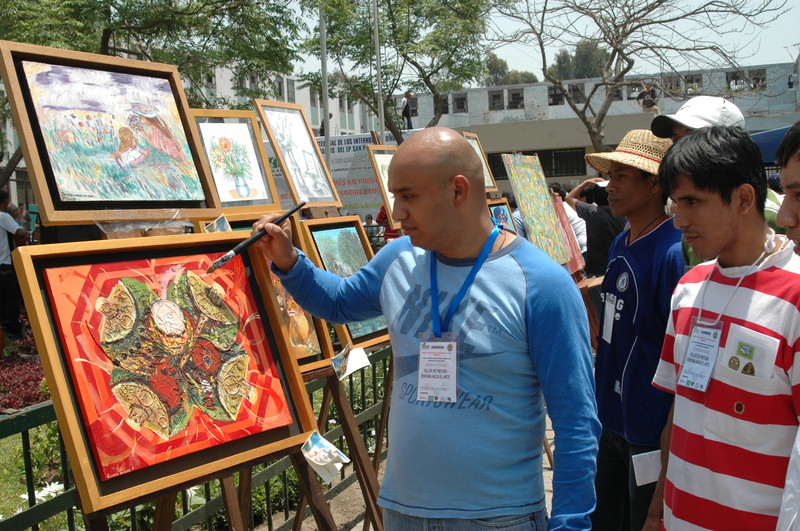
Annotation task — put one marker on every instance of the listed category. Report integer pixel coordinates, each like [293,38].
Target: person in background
[374,232]
[10,294]
[601,225]
[648,99]
[389,233]
[788,159]
[730,355]
[465,450]
[578,224]
[405,111]
[645,263]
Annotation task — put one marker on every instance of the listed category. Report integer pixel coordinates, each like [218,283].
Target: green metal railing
[365,391]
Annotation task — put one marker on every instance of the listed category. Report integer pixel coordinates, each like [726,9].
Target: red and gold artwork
[165,360]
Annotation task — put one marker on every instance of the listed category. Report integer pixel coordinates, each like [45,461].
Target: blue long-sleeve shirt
[522,339]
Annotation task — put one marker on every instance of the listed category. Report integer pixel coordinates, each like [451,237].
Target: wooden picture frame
[299,333]
[299,158]
[379,157]
[120,362]
[317,241]
[234,151]
[505,217]
[105,138]
[488,177]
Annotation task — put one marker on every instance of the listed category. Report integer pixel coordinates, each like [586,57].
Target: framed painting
[160,374]
[501,212]
[105,138]
[576,261]
[380,157]
[340,245]
[488,178]
[302,335]
[533,198]
[302,166]
[235,153]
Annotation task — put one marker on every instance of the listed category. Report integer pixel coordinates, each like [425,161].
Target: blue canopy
[768,141]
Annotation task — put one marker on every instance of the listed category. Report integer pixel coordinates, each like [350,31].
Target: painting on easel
[100,132]
[160,373]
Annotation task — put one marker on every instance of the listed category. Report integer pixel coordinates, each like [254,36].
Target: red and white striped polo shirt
[730,445]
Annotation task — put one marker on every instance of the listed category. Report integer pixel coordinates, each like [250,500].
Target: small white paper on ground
[324,457]
[647,467]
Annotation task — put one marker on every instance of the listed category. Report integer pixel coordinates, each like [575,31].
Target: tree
[250,37]
[426,45]
[499,74]
[668,35]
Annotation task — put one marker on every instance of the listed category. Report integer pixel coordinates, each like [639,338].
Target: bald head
[441,153]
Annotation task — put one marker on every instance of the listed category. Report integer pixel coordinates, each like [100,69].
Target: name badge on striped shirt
[701,354]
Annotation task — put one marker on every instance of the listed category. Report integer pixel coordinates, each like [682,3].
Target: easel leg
[319,506]
[382,425]
[165,512]
[95,522]
[368,480]
[245,498]
[321,422]
[232,506]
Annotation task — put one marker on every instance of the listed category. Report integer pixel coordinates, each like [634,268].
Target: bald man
[475,357]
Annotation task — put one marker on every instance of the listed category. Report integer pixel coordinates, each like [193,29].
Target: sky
[777,43]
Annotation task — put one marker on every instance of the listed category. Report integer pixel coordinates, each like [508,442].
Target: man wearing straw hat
[645,263]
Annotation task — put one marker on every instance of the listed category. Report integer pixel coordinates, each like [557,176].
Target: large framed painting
[533,199]
[340,245]
[235,153]
[302,166]
[105,138]
[488,178]
[501,212]
[380,157]
[576,261]
[160,374]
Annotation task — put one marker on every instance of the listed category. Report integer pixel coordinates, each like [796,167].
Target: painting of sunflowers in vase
[165,361]
[238,175]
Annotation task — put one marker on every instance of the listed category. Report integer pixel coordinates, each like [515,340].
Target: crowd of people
[686,418]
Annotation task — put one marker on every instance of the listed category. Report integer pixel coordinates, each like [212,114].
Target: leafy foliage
[499,74]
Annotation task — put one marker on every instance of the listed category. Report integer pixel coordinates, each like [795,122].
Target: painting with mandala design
[164,360]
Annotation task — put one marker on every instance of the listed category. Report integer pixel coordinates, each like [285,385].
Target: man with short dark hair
[731,347]
[648,99]
[10,295]
[472,372]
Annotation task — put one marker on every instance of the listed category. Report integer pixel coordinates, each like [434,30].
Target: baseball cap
[697,113]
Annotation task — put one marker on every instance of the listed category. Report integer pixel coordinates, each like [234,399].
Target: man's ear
[744,198]
[460,189]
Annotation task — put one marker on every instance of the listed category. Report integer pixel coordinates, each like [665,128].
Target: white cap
[697,113]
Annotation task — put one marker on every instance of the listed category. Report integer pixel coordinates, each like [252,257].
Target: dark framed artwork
[235,153]
[501,212]
[488,178]
[380,157]
[160,374]
[302,166]
[340,245]
[105,138]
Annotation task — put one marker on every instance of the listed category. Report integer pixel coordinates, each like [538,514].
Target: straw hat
[640,148]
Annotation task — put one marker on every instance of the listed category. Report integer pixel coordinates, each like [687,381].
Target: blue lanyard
[438,326]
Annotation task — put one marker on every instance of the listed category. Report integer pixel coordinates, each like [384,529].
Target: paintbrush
[225,258]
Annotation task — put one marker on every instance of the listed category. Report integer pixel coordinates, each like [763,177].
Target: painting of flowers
[110,136]
[164,360]
[238,173]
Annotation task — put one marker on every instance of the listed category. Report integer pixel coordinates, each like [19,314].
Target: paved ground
[348,507]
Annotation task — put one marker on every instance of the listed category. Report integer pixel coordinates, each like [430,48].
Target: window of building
[342,104]
[671,84]
[562,162]
[554,96]
[634,90]
[516,99]
[253,81]
[211,86]
[758,78]
[694,83]
[444,104]
[290,95]
[413,103]
[616,93]
[314,98]
[459,103]
[279,88]
[735,81]
[577,92]
[496,102]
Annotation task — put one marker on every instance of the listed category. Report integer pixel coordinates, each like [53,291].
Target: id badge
[701,354]
[438,368]
[608,316]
